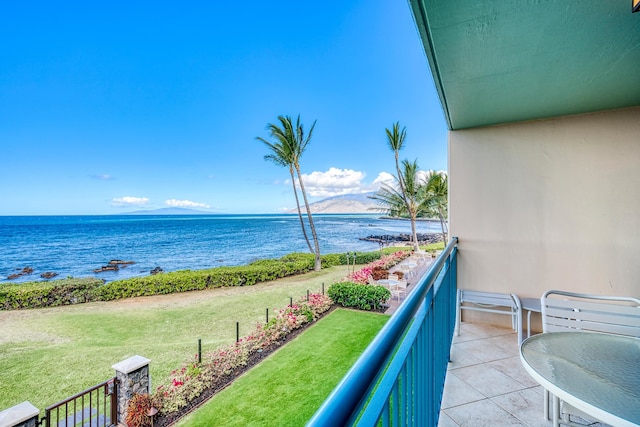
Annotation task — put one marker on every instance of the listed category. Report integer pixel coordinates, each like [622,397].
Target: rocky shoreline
[117,264]
[113,265]
[394,239]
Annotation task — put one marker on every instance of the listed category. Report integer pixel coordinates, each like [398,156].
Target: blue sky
[120,106]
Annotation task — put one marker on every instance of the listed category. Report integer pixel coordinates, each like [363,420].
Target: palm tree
[395,140]
[408,202]
[437,194]
[290,143]
[281,156]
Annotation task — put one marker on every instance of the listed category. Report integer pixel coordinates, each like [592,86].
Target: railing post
[22,415]
[132,376]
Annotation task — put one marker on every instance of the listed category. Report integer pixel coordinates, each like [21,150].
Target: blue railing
[399,378]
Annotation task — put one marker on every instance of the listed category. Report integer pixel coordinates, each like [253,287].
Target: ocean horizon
[76,245]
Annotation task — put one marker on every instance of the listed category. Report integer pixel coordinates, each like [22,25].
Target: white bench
[490,302]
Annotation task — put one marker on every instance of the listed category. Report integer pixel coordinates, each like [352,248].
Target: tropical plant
[138,410]
[363,297]
[436,197]
[362,275]
[408,202]
[289,143]
[395,140]
[407,182]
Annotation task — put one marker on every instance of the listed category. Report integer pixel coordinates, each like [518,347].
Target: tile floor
[486,384]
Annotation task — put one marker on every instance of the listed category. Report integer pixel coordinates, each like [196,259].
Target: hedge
[356,295]
[187,280]
[73,291]
[48,294]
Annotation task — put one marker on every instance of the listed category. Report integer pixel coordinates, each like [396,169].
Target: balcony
[416,373]
[486,384]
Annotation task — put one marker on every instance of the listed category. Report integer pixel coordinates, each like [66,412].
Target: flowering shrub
[362,276]
[187,383]
[357,295]
[138,410]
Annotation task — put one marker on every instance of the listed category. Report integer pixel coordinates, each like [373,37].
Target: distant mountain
[345,204]
[168,211]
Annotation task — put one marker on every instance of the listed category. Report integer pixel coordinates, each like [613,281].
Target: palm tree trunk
[414,233]
[295,192]
[401,182]
[318,262]
[444,233]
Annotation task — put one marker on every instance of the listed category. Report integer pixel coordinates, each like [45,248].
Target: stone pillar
[22,415]
[133,378]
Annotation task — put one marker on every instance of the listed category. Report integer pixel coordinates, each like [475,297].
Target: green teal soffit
[505,61]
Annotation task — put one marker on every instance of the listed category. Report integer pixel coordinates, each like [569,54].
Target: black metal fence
[94,407]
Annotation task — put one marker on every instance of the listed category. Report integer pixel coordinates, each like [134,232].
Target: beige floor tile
[446,421]
[525,405]
[512,367]
[465,336]
[488,380]
[482,413]
[508,342]
[461,358]
[457,392]
[483,330]
[484,351]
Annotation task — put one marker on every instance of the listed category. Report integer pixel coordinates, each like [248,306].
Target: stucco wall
[549,204]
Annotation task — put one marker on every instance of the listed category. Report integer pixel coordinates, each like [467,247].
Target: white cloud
[383,178]
[389,179]
[130,201]
[333,182]
[103,177]
[184,204]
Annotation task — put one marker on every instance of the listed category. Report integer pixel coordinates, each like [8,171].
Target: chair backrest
[569,311]
[372,281]
[393,277]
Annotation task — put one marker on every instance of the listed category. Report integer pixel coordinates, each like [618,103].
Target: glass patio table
[596,373]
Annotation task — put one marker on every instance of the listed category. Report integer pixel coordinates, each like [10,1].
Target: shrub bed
[48,294]
[195,382]
[384,263]
[357,295]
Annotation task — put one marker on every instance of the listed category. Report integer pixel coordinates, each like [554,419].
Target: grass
[47,355]
[288,387]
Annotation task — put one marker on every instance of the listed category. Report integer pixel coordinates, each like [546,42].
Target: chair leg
[458,314]
[546,404]
[556,411]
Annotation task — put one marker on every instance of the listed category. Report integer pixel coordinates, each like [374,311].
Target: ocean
[74,246]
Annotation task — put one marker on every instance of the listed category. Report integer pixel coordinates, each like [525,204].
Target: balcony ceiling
[503,61]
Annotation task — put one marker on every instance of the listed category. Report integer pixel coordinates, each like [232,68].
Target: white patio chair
[569,311]
[490,302]
[401,288]
[393,281]
[406,270]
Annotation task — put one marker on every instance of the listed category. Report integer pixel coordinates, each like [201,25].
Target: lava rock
[48,275]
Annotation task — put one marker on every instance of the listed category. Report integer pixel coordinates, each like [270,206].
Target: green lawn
[288,387]
[47,355]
